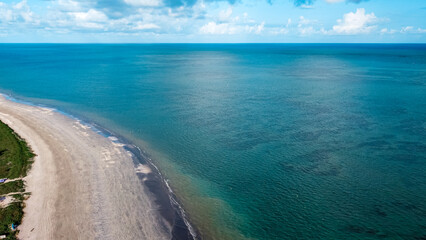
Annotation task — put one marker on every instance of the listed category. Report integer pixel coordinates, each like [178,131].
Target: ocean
[257,141]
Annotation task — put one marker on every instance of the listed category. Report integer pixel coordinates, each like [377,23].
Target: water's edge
[170,208]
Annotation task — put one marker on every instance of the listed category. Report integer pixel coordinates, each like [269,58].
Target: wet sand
[83,185]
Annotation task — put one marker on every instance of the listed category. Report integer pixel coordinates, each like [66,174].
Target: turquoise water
[258,141]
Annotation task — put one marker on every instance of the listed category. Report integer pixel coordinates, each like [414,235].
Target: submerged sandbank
[83,185]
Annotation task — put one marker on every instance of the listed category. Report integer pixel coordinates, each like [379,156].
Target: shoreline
[169,215]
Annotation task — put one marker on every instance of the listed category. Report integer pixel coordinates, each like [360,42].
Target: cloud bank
[192,19]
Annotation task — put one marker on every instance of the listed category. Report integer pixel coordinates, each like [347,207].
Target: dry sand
[83,185]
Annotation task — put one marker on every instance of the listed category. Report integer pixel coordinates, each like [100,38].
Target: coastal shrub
[15,186]
[15,161]
[15,155]
[11,214]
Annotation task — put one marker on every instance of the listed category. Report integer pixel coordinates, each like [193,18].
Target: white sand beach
[82,184]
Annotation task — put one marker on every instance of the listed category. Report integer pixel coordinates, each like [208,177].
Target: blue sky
[152,21]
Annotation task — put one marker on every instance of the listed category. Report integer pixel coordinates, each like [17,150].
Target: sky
[213,21]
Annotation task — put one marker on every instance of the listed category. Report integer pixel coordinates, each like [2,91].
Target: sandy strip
[83,186]
[8,200]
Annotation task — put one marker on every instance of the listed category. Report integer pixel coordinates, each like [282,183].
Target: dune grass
[15,161]
[10,187]
[15,155]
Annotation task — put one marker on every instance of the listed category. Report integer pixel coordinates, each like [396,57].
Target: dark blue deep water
[258,141]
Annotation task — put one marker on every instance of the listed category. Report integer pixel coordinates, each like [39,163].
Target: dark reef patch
[305,136]
[376,144]
[318,162]
[379,211]
[364,231]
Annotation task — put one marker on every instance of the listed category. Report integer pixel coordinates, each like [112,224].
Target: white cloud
[306,6]
[304,21]
[411,29]
[145,26]
[307,26]
[289,22]
[279,31]
[24,11]
[225,15]
[356,23]
[256,29]
[214,28]
[407,29]
[307,30]
[69,6]
[339,1]
[234,27]
[19,13]
[387,31]
[21,5]
[421,30]
[144,3]
[6,15]
[90,16]
[86,16]
[84,19]
[334,1]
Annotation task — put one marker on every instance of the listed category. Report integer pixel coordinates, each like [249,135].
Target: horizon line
[205,43]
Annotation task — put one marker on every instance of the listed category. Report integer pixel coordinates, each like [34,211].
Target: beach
[83,185]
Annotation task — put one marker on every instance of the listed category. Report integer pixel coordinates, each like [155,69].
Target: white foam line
[172,198]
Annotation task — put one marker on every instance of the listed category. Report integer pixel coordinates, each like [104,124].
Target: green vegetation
[15,186]
[11,214]
[15,156]
[15,161]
